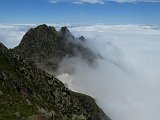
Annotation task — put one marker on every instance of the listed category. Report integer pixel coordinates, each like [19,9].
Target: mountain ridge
[28,92]
[46,47]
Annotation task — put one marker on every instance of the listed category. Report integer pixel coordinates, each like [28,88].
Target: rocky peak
[40,34]
[82,39]
[46,47]
[64,30]
[66,33]
[40,42]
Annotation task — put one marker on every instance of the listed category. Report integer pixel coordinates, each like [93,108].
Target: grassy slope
[10,101]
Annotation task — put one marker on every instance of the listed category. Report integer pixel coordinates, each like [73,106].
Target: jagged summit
[64,30]
[66,33]
[43,43]
[37,37]
[82,39]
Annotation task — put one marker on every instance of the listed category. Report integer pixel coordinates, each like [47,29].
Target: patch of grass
[10,105]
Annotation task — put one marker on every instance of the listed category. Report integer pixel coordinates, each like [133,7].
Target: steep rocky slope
[46,47]
[27,92]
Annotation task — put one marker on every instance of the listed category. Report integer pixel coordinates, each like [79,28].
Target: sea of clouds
[126,83]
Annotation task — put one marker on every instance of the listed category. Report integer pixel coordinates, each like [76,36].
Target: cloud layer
[10,35]
[101,1]
[126,83]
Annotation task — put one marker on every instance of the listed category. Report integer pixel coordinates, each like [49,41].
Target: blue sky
[80,11]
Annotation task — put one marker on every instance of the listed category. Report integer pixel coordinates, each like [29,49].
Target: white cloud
[101,1]
[129,91]
[54,1]
[11,35]
[132,1]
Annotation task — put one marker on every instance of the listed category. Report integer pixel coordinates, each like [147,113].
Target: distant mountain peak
[39,42]
[82,39]
[64,31]
[40,34]
[47,47]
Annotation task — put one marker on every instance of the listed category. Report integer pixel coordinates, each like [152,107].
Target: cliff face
[46,47]
[27,92]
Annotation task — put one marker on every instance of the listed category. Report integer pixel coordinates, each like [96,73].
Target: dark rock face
[66,33]
[47,47]
[3,48]
[27,92]
[40,43]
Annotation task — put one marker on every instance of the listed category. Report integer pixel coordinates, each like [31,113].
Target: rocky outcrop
[27,92]
[46,47]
